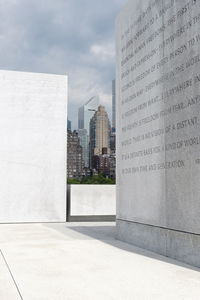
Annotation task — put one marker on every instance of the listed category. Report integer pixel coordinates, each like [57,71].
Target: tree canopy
[100,179]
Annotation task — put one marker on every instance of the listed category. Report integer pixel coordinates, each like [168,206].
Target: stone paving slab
[83,261]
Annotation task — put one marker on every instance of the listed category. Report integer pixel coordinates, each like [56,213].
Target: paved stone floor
[84,261]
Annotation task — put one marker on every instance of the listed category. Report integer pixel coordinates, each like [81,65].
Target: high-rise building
[113,105]
[113,143]
[75,162]
[99,134]
[84,142]
[86,112]
[69,124]
[105,164]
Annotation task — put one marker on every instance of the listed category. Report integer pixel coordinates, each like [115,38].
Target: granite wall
[158,126]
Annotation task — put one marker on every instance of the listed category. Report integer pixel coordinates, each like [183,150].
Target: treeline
[100,179]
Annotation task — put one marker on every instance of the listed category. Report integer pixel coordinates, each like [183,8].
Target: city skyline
[91,148]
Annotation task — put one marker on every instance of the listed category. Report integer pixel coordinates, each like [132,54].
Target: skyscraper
[84,142]
[99,133]
[69,124]
[74,155]
[86,112]
[113,105]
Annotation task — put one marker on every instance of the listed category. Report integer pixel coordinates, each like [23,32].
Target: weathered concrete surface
[33,122]
[158,158]
[93,200]
[85,261]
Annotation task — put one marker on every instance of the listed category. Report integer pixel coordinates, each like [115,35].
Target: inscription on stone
[158,87]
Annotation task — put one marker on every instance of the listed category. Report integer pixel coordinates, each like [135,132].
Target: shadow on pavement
[107,234]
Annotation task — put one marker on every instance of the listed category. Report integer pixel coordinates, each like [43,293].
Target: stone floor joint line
[11,273]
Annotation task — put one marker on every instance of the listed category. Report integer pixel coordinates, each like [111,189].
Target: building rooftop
[85,261]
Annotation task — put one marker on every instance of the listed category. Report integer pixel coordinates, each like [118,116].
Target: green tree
[100,179]
[73,181]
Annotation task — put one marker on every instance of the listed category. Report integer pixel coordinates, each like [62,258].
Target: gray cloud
[74,37]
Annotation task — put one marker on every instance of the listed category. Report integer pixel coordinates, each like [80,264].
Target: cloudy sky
[73,37]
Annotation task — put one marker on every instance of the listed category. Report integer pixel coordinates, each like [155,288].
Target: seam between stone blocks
[154,226]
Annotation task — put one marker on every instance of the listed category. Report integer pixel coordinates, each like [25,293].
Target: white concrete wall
[93,200]
[33,122]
